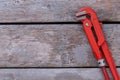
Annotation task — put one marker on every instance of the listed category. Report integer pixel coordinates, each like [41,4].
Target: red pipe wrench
[92,28]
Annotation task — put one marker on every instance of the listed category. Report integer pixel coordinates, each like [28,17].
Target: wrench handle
[110,61]
[105,73]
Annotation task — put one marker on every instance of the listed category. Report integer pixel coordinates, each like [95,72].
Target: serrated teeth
[80,13]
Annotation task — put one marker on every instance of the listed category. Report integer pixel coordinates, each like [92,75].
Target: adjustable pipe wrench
[92,28]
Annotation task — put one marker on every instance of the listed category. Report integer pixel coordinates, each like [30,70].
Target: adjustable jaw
[84,13]
[88,17]
[97,41]
[81,15]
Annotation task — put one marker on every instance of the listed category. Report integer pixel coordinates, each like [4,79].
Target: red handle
[97,41]
[105,73]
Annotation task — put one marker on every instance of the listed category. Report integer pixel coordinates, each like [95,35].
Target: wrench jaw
[81,18]
[81,15]
[85,13]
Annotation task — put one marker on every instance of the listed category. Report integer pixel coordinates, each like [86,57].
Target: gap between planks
[52,23]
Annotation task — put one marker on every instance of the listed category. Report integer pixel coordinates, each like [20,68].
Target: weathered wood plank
[52,45]
[52,74]
[55,10]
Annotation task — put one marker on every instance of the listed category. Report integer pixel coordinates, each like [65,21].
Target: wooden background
[41,39]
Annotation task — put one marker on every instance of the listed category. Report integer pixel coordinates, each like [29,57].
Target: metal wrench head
[81,15]
[84,13]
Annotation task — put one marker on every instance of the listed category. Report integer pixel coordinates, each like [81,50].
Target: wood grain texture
[52,74]
[52,45]
[55,10]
